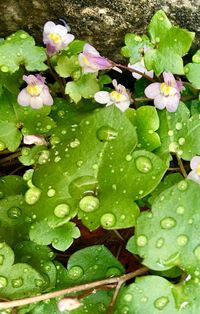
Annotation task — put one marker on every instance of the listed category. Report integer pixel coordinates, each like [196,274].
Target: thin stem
[92,285]
[10,157]
[184,173]
[142,99]
[56,77]
[134,71]
[114,297]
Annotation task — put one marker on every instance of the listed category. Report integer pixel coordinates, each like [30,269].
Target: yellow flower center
[167,90]
[34,90]
[117,96]
[198,169]
[54,37]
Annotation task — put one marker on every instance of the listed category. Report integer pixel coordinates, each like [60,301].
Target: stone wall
[102,23]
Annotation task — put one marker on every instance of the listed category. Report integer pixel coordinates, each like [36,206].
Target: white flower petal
[194,162]
[123,106]
[194,177]
[24,98]
[169,79]
[36,102]
[102,97]
[160,102]
[152,90]
[172,103]
[90,49]
[68,39]
[46,97]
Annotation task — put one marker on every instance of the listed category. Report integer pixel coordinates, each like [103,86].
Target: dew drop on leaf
[180,210]
[168,223]
[141,240]
[3,282]
[14,212]
[4,68]
[197,252]
[178,126]
[182,240]
[181,141]
[75,272]
[128,297]
[32,195]
[74,143]
[82,185]
[113,272]
[161,302]
[106,133]
[128,157]
[108,220]
[16,283]
[89,203]
[143,164]
[51,192]
[61,210]
[39,282]
[182,185]
[44,156]
[160,242]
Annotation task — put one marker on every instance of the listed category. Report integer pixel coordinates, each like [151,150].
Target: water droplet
[179,126]
[142,240]
[144,299]
[89,203]
[128,297]
[3,282]
[51,193]
[16,283]
[113,272]
[106,133]
[74,143]
[161,302]
[124,310]
[108,220]
[182,185]
[61,210]
[182,240]
[160,242]
[128,157]
[2,257]
[168,223]
[197,252]
[170,132]
[23,36]
[54,140]
[173,147]
[57,159]
[32,195]
[143,164]
[75,272]
[82,185]
[4,68]
[39,282]
[44,156]
[14,212]
[181,141]
[101,307]
[180,210]
[79,163]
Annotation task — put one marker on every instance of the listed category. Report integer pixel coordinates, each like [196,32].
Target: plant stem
[183,171]
[10,157]
[87,286]
[134,71]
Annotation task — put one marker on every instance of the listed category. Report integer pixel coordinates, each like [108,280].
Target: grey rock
[103,23]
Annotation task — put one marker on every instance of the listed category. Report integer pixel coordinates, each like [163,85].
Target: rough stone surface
[103,23]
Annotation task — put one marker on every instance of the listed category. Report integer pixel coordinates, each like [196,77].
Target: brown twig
[87,286]
[180,163]
[10,157]
[133,71]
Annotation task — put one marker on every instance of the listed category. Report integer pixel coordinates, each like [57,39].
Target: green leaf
[85,87]
[179,133]
[68,67]
[174,219]
[17,280]
[61,237]
[13,117]
[192,72]
[75,47]
[134,48]
[147,122]
[19,49]
[36,154]
[159,26]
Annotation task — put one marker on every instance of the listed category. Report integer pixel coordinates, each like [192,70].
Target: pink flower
[36,94]
[68,304]
[140,66]
[34,139]
[56,37]
[167,94]
[91,61]
[195,166]
[119,97]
